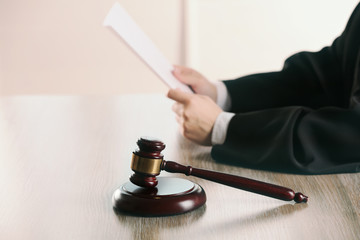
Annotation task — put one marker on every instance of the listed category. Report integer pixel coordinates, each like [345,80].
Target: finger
[182,69]
[185,75]
[178,108]
[179,120]
[179,96]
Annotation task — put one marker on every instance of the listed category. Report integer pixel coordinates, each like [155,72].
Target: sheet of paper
[121,22]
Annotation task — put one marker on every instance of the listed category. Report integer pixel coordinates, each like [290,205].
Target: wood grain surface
[62,157]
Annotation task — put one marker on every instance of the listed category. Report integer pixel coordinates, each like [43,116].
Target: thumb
[179,96]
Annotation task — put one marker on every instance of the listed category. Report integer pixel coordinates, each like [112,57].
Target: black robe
[304,119]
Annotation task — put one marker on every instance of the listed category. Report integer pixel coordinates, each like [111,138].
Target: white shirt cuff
[223,99]
[218,135]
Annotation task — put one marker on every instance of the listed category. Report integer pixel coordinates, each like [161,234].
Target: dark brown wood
[142,180]
[149,147]
[242,183]
[172,196]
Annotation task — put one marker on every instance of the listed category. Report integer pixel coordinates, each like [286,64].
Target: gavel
[147,162]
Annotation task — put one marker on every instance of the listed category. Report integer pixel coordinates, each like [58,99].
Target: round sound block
[171,196]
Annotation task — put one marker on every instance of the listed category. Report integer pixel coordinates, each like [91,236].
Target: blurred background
[60,46]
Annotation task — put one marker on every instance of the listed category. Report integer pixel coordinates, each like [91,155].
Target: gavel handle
[242,183]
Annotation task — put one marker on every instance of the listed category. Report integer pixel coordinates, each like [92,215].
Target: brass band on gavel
[151,166]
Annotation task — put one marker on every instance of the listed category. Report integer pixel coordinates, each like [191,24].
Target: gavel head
[146,162]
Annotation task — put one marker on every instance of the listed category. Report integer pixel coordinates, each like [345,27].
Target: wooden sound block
[171,196]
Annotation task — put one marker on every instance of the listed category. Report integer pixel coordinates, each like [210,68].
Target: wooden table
[62,157]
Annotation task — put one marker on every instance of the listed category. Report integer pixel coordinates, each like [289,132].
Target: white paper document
[121,22]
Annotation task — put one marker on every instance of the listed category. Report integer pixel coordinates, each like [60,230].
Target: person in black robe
[303,119]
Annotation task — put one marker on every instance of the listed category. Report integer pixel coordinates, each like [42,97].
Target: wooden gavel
[147,162]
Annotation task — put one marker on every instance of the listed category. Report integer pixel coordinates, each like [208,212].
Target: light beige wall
[231,38]
[61,47]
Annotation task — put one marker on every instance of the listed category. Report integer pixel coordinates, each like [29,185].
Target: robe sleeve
[294,140]
[307,79]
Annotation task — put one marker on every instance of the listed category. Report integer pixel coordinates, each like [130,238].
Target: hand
[197,81]
[196,115]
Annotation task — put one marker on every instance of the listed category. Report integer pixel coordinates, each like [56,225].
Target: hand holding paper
[120,21]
